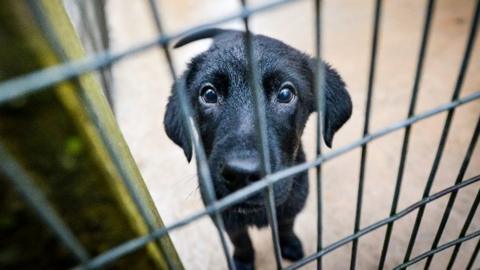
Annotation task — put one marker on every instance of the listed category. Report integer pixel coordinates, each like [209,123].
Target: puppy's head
[219,92]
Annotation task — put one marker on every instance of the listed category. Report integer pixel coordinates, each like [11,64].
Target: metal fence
[39,80]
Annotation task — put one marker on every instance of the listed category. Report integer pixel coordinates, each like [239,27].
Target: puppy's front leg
[290,244]
[243,255]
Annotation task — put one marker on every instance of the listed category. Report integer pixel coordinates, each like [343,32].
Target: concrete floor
[142,86]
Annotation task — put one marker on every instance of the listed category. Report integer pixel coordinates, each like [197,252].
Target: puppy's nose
[240,172]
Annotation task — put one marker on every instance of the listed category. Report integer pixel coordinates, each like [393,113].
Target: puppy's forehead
[227,55]
[266,50]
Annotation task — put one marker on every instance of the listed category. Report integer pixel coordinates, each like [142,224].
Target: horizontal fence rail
[383,222]
[39,80]
[137,243]
[438,249]
[256,187]
[453,196]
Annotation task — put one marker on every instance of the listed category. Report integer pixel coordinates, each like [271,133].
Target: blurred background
[142,86]
[139,87]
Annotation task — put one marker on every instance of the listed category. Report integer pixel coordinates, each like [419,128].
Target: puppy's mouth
[252,205]
[239,174]
[256,204]
[247,210]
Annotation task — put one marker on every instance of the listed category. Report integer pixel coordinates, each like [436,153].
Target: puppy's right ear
[175,125]
[202,34]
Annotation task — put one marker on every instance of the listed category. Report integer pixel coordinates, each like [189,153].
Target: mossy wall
[60,136]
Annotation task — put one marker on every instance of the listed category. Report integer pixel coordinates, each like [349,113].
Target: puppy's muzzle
[240,172]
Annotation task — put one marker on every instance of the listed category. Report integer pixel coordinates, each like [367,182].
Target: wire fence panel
[122,171]
[446,128]
[453,196]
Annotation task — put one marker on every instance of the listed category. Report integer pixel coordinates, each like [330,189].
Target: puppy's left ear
[338,105]
[175,125]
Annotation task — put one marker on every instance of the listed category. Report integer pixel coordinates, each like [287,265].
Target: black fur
[227,127]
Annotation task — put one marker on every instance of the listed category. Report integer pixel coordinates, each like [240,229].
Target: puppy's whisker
[192,192]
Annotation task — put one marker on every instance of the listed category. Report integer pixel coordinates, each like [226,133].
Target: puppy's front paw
[239,265]
[292,249]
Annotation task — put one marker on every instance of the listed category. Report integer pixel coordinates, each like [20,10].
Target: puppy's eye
[286,93]
[208,94]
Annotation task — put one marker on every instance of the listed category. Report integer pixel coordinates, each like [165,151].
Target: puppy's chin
[247,210]
[252,205]
[257,204]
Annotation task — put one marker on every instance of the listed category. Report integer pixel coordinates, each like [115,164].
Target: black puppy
[222,103]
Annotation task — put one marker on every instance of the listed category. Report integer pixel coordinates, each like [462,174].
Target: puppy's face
[223,105]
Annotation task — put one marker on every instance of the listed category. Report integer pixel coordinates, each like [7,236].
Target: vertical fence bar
[371,76]
[93,32]
[453,195]
[446,128]
[463,232]
[319,81]
[406,136]
[474,256]
[262,139]
[98,45]
[34,198]
[201,159]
